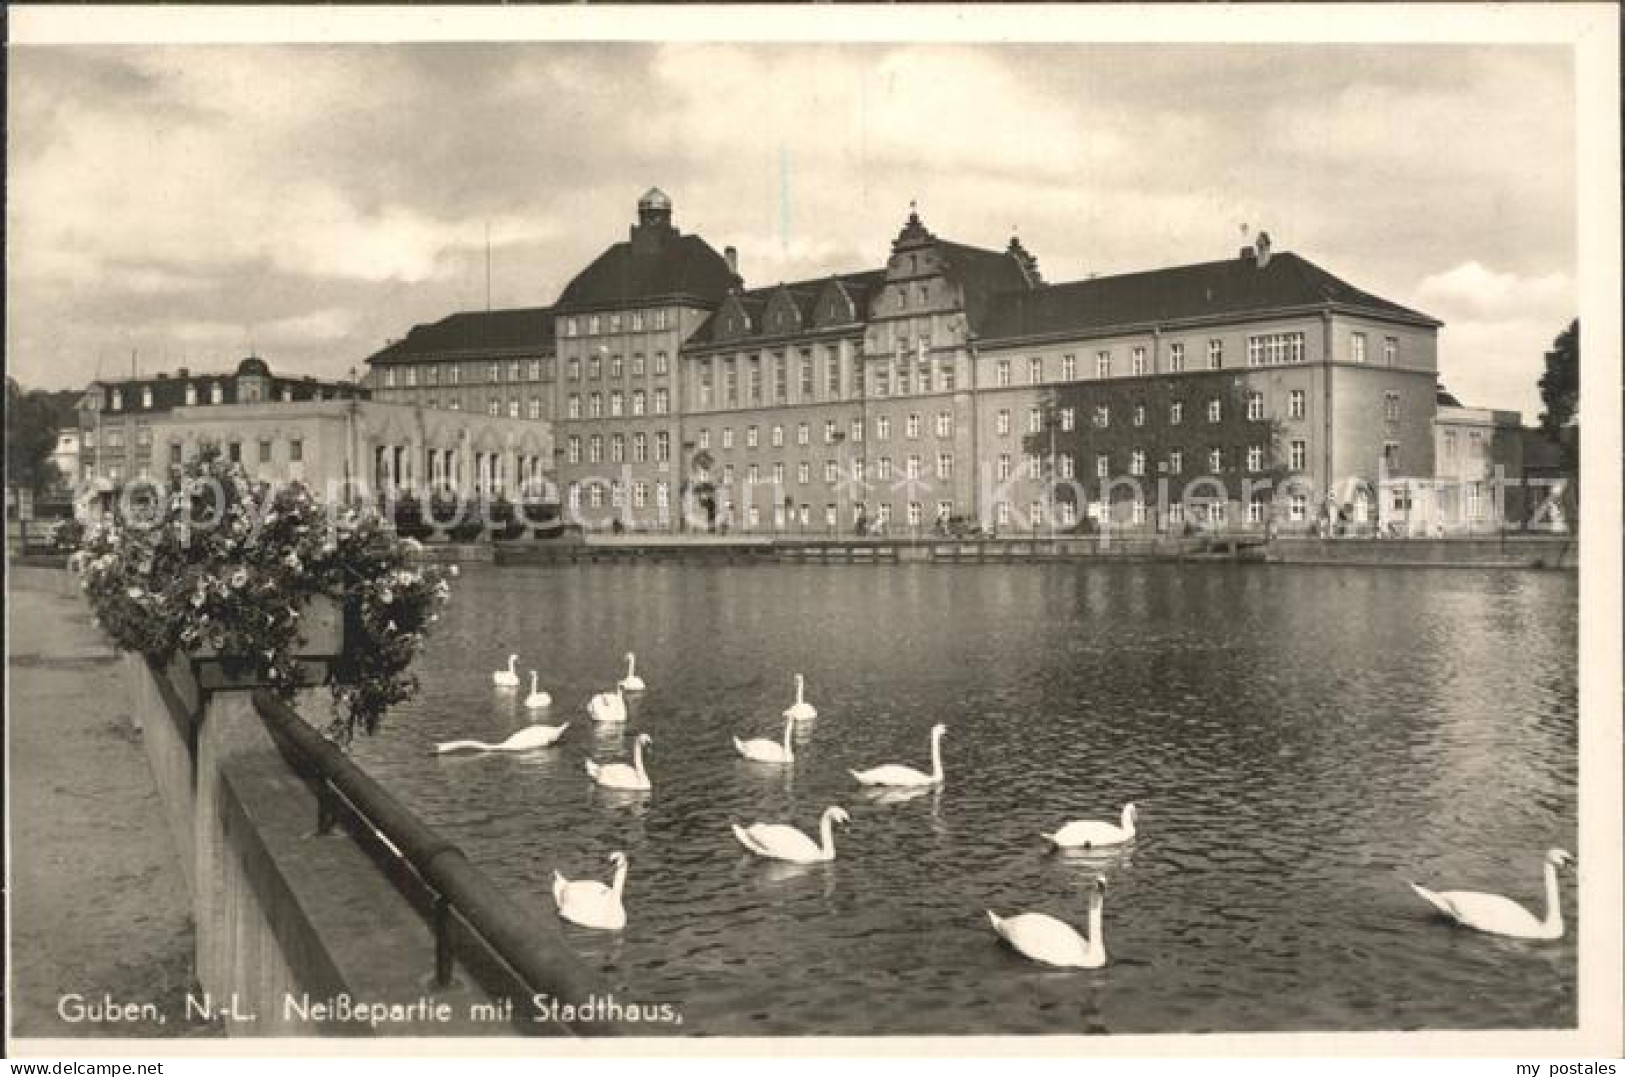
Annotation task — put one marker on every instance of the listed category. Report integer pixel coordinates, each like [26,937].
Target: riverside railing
[472,921]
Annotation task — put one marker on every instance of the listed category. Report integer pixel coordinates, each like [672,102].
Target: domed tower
[654,209]
[253,380]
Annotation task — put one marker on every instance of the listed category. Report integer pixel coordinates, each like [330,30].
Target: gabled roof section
[812,304]
[1232,288]
[651,267]
[981,275]
[485,332]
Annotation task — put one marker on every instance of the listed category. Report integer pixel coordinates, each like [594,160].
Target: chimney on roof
[1246,254]
[1262,249]
[182,372]
[161,376]
[731,256]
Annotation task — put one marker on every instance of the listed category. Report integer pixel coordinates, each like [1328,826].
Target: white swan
[532,736]
[1056,942]
[1503,916]
[767,751]
[537,699]
[589,902]
[780,842]
[620,775]
[632,682]
[608,706]
[507,678]
[895,774]
[1093,833]
[801,710]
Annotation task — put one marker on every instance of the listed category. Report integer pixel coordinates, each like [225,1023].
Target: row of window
[1475,444]
[619,404]
[217,395]
[618,367]
[618,443]
[615,322]
[912,426]
[234,451]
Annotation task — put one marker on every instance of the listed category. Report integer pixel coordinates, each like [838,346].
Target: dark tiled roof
[169,391]
[805,293]
[653,266]
[1212,289]
[1444,398]
[528,329]
[983,274]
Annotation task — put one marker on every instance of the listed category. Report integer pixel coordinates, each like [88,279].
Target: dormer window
[146,396]
[216,394]
[191,395]
[118,400]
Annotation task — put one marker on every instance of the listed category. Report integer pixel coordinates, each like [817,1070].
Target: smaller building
[328,435]
[65,458]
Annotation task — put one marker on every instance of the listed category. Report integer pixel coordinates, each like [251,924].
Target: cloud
[1473,290]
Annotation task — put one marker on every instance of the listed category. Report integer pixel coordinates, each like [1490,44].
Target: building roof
[804,293]
[1444,398]
[983,274]
[526,329]
[658,266]
[169,390]
[1231,288]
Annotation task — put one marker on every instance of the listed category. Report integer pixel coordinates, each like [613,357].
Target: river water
[1297,740]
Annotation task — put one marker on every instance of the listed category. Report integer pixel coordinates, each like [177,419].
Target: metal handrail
[530,947]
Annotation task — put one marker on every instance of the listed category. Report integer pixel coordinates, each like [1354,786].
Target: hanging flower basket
[315,654]
[259,588]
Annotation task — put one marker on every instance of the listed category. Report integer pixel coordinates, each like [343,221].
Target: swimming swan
[1055,942]
[801,710]
[1092,833]
[537,699]
[767,751]
[620,775]
[895,774]
[507,678]
[780,842]
[608,706]
[1503,916]
[589,902]
[532,736]
[632,682]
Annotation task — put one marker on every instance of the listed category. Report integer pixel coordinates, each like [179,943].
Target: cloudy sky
[312,202]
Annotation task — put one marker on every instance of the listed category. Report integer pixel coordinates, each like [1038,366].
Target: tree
[31,428]
[1560,384]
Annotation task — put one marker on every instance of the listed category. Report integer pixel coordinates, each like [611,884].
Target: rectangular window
[662,447]
[595,368]
[804,473]
[662,401]
[513,409]
[1390,406]
[493,406]
[832,471]
[1137,359]
[1390,351]
[1255,458]
[1035,370]
[1004,422]
[1295,404]
[1176,358]
[617,448]
[1005,466]
[776,437]
[1298,508]
[1035,420]
[912,467]
[1215,354]
[637,364]
[806,375]
[855,431]
[705,439]
[1035,466]
[1390,457]
[750,437]
[727,437]
[1215,460]
[1103,466]
[1069,368]
[572,370]
[832,373]
[1136,462]
[616,367]
[1002,514]
[1450,445]
[1215,410]
[1298,457]
[1069,418]
[1103,416]
[1103,364]
[265,451]
[1255,406]
[1357,348]
[778,473]
[829,431]
[1065,465]
[945,424]
[883,469]
[1176,462]
[573,445]
[911,426]
[1002,372]
[662,364]
[803,436]
[945,465]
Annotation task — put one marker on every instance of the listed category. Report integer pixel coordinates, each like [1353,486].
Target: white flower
[239,579]
[386,595]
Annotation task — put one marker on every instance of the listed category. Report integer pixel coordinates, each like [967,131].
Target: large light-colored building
[329,436]
[951,381]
